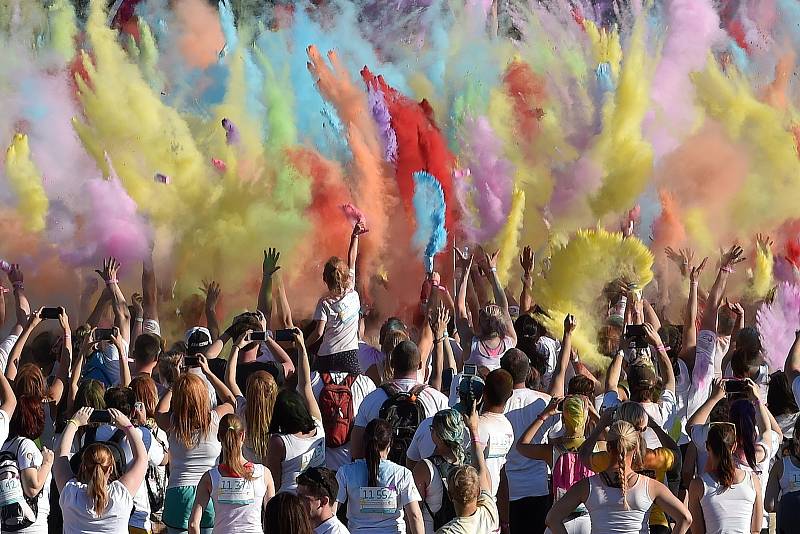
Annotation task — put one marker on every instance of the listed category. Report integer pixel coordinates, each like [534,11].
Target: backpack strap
[390,388]
[414,394]
[90,436]
[350,379]
[326,378]
[117,437]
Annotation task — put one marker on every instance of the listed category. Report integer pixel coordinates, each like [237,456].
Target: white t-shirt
[363,386]
[526,477]
[155,454]
[422,445]
[78,510]
[432,401]
[485,519]
[302,453]
[341,321]
[369,356]
[331,526]
[238,501]
[377,509]
[483,356]
[662,412]
[29,456]
[5,350]
[498,435]
[187,466]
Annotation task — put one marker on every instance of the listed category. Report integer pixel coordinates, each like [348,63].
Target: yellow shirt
[659,460]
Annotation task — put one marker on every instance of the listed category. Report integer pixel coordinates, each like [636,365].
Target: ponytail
[377,438]
[97,469]
[721,441]
[231,435]
[622,439]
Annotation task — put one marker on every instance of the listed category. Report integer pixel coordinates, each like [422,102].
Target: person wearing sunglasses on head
[318,488]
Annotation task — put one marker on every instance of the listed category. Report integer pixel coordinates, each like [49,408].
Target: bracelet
[128,426]
[111,281]
[18,285]
[662,347]
[74,422]
[477,441]
[440,340]
[493,269]
[728,269]
[139,319]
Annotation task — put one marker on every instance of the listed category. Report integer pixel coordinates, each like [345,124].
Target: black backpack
[22,512]
[154,481]
[404,411]
[447,512]
[114,444]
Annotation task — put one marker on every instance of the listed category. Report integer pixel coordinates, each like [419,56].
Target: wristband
[111,281]
[728,269]
[74,422]
[139,319]
[128,427]
[18,285]
[493,269]
[477,441]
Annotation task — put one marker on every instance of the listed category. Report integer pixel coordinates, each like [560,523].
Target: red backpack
[336,407]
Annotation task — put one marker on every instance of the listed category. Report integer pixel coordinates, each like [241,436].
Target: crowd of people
[472,418]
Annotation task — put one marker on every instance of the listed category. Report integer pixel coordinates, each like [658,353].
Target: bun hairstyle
[721,441]
[377,438]
[336,275]
[622,439]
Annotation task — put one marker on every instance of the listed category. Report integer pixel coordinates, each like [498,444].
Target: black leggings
[527,516]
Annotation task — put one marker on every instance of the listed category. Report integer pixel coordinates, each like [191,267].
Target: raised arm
[586,450]
[13,358]
[122,315]
[614,370]
[22,307]
[792,365]
[738,311]
[149,291]
[729,260]
[233,362]
[212,291]
[664,363]
[77,369]
[124,364]
[499,294]
[137,317]
[537,451]
[352,251]
[763,420]
[304,375]
[463,267]
[526,260]
[689,342]
[62,472]
[56,390]
[134,476]
[269,267]
[560,372]
[284,310]
[438,324]
[700,417]
[226,400]
[478,461]
[281,356]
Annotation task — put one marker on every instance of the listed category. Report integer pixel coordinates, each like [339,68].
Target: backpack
[568,469]
[447,512]
[114,444]
[336,408]
[404,411]
[16,510]
[154,481]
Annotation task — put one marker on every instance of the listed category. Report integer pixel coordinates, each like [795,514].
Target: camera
[470,392]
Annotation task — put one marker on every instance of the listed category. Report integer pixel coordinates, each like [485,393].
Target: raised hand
[270,265]
[570,324]
[137,302]
[697,270]
[15,275]
[212,291]
[731,258]
[359,228]
[735,308]
[110,270]
[652,335]
[683,258]
[491,259]
[463,260]
[526,260]
[63,320]
[439,318]
[764,242]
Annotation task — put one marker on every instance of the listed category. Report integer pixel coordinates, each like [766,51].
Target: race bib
[314,457]
[235,491]
[499,445]
[377,500]
[10,491]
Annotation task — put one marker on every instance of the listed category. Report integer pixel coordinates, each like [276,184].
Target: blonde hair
[622,439]
[230,435]
[191,410]
[635,414]
[97,468]
[261,394]
[463,485]
[390,341]
[336,275]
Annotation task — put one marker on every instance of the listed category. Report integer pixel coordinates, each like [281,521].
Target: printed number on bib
[377,500]
[235,491]
[499,446]
[314,457]
[10,491]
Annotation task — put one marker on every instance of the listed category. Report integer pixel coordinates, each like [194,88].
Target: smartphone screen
[735,386]
[191,361]
[470,369]
[284,335]
[51,313]
[103,334]
[258,336]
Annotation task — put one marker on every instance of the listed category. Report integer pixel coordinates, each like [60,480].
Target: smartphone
[103,334]
[51,313]
[284,335]
[735,386]
[257,336]
[191,361]
[636,336]
[100,416]
[470,369]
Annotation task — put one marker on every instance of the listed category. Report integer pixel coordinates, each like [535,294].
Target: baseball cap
[197,339]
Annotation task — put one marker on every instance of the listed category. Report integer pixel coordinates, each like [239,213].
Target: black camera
[470,392]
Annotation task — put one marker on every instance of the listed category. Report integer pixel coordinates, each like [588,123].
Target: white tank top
[790,480]
[728,511]
[433,496]
[301,454]
[607,510]
[237,501]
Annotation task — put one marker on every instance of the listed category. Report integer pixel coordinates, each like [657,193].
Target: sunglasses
[724,423]
[138,406]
